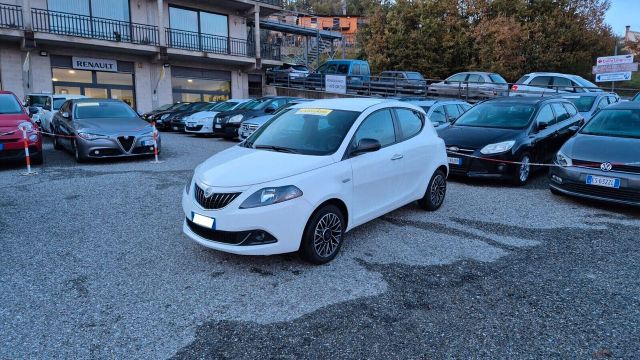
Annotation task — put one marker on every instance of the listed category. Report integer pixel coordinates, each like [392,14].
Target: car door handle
[397,157]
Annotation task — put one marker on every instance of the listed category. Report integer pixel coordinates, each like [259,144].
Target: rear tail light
[514,88]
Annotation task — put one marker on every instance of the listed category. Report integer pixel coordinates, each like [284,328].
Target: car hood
[259,120]
[602,149]
[11,121]
[476,137]
[240,166]
[112,126]
[203,115]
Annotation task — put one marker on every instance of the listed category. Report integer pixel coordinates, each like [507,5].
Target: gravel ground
[94,265]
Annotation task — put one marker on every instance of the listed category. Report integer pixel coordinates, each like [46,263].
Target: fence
[190,40]
[56,22]
[10,16]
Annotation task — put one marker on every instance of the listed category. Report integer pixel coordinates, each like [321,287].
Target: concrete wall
[11,60]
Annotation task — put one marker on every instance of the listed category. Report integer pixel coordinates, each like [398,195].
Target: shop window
[70,75]
[67,90]
[96,93]
[124,95]
[114,78]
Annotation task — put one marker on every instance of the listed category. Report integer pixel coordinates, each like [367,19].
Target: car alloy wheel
[525,169]
[327,235]
[436,192]
[79,157]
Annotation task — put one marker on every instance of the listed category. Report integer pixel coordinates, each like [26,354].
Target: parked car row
[468,85]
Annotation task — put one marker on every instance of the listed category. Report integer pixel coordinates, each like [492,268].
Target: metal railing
[56,22]
[270,52]
[10,16]
[190,40]
[279,3]
[376,86]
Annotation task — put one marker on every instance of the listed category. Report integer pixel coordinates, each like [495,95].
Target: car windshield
[636,98]
[9,104]
[57,102]
[197,106]
[166,107]
[414,76]
[507,115]
[209,106]
[304,131]
[103,109]
[36,100]
[497,79]
[583,103]
[181,106]
[614,122]
[224,106]
[253,104]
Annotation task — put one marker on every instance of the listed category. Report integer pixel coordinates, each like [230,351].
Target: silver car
[102,128]
[471,85]
[250,126]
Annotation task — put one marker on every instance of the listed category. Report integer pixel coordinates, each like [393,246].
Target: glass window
[9,104]
[214,24]
[70,75]
[414,76]
[305,131]
[343,69]
[80,7]
[183,19]
[457,78]
[110,9]
[612,99]
[561,82]
[497,79]
[522,80]
[97,93]
[57,103]
[542,81]
[103,109]
[124,95]
[453,112]
[603,103]
[438,116]
[616,123]
[583,103]
[475,79]
[220,86]
[561,112]
[464,108]
[545,116]
[410,123]
[114,78]
[378,126]
[36,100]
[505,115]
[67,90]
[571,109]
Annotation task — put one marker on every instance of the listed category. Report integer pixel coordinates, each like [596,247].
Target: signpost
[603,69]
[336,84]
[614,68]
[614,60]
[616,76]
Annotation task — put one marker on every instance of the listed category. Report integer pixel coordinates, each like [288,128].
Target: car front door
[563,125]
[544,134]
[64,125]
[377,176]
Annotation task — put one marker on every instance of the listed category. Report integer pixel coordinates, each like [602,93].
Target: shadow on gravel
[575,296]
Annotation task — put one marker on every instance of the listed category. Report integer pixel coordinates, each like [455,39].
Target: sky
[622,13]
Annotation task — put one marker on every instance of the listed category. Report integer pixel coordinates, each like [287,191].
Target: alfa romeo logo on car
[208,192]
[606,166]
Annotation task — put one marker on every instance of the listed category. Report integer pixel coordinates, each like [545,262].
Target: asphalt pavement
[94,265]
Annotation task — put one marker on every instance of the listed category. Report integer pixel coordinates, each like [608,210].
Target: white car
[51,106]
[312,173]
[202,122]
[547,83]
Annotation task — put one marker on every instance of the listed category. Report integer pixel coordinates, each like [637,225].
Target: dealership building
[144,52]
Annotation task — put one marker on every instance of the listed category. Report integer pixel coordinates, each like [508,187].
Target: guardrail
[10,16]
[190,40]
[56,22]
[375,86]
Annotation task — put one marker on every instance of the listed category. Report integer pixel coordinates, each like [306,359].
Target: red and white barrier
[26,152]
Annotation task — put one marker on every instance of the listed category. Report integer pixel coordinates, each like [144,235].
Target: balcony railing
[279,3]
[10,16]
[56,22]
[270,52]
[189,40]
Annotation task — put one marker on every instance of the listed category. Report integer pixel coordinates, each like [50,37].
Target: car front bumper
[227,130]
[573,181]
[284,221]
[498,167]
[111,147]
[199,127]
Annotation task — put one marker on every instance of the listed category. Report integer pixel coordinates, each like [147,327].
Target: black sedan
[602,161]
[178,120]
[487,139]
[226,124]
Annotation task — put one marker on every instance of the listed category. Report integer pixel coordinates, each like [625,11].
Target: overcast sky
[624,12]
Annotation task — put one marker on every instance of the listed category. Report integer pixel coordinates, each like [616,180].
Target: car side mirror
[65,115]
[366,145]
[541,126]
[32,110]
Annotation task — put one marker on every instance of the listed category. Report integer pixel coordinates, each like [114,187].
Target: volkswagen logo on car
[606,166]
[208,192]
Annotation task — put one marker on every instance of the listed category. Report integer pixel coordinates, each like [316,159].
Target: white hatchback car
[202,122]
[313,173]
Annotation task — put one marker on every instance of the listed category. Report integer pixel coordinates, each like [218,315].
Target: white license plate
[191,124]
[204,221]
[454,160]
[603,181]
[147,142]
[218,126]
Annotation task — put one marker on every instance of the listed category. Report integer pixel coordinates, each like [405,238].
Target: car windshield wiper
[276,148]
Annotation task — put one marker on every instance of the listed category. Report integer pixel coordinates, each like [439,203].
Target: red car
[13,117]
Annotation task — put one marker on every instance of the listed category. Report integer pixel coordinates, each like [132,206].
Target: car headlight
[498,147]
[271,195]
[235,119]
[27,126]
[563,160]
[89,136]
[164,116]
[187,187]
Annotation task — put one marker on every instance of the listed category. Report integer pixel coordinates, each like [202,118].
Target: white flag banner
[27,62]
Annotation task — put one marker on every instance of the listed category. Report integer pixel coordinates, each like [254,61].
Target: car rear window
[497,79]
[522,80]
[414,76]
[9,104]
[583,103]
[615,123]
[36,100]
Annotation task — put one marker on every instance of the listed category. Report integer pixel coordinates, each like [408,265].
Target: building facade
[144,52]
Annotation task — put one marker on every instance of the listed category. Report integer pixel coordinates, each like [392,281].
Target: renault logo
[606,166]
[208,192]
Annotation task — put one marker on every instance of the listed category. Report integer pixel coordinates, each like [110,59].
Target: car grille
[195,128]
[215,201]
[595,165]
[249,127]
[126,142]
[616,194]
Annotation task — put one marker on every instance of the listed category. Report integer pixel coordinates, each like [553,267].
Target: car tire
[436,191]
[523,170]
[80,158]
[38,159]
[555,192]
[56,144]
[323,236]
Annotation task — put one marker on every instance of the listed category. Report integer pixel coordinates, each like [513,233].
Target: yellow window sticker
[318,112]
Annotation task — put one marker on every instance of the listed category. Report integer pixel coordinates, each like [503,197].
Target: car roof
[551,74]
[352,104]
[68,96]
[83,100]
[533,100]
[624,105]
[587,94]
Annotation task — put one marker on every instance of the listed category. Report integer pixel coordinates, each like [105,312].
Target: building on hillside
[145,52]
[632,37]
[347,25]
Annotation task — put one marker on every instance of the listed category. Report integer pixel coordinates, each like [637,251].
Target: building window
[255,85]
[190,84]
[199,30]
[106,9]
[104,19]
